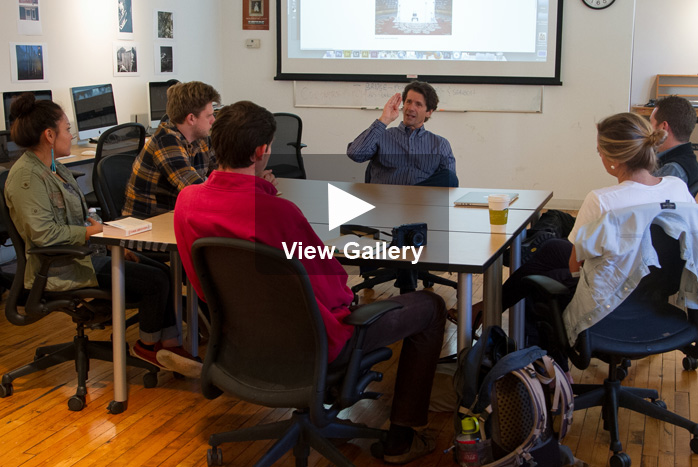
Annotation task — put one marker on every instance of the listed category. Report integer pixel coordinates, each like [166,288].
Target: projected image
[407,17]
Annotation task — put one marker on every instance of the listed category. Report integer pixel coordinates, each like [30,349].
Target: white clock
[598,4]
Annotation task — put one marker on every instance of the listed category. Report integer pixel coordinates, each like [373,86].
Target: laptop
[479,198]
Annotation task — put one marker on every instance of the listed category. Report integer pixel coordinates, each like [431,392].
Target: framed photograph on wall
[125,19]
[164,25]
[255,14]
[164,58]
[28,63]
[125,56]
[29,19]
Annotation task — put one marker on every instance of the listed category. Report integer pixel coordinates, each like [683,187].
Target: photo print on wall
[29,19]
[125,19]
[125,59]
[164,25]
[28,62]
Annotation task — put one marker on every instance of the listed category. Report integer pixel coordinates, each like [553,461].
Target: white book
[126,227]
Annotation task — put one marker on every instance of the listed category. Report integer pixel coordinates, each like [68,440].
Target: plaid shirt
[167,164]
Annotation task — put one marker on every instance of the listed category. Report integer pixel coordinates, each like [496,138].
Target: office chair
[87,307]
[127,138]
[286,160]
[644,324]
[269,347]
[109,179]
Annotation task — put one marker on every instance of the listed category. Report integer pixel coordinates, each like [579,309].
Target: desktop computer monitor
[9,97]
[95,110]
[157,93]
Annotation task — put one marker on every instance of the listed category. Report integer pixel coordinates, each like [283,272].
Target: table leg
[492,293]
[464,305]
[517,313]
[118,330]
[176,273]
[192,338]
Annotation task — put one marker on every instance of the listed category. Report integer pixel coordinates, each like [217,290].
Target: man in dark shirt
[675,156]
[179,153]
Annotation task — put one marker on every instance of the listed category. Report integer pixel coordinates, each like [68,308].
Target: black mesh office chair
[87,307]
[110,177]
[644,324]
[286,160]
[269,346]
[127,138]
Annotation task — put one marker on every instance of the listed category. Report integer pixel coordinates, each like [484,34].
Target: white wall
[553,150]
[79,36]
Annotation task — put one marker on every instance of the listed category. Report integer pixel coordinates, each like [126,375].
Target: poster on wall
[29,19]
[164,25]
[28,63]
[164,58]
[125,59]
[255,14]
[125,16]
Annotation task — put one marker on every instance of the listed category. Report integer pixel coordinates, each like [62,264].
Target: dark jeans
[147,283]
[550,260]
[420,325]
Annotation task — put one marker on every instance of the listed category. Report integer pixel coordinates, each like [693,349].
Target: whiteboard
[452,97]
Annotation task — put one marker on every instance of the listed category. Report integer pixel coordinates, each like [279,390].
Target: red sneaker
[150,356]
[179,360]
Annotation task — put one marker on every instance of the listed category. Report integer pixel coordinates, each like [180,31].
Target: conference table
[459,240]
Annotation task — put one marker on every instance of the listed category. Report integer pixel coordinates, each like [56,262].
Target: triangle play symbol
[343,207]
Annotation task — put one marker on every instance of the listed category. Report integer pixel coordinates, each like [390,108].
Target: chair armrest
[367,314]
[78,251]
[545,286]
[545,294]
[297,146]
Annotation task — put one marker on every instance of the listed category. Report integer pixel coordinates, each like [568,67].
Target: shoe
[150,356]
[422,444]
[179,350]
[173,361]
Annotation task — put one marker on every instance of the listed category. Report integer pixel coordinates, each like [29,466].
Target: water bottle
[471,450]
[97,250]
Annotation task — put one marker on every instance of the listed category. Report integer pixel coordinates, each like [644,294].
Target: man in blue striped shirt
[407,154]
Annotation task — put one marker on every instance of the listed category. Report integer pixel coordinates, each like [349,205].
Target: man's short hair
[239,129]
[189,98]
[679,114]
[426,90]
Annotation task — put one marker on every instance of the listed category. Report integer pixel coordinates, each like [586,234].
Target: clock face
[598,4]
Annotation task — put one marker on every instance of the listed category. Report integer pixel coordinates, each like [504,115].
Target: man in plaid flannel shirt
[179,153]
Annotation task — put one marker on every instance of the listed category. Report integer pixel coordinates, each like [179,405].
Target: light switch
[253,43]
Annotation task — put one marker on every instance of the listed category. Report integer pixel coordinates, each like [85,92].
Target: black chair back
[17,292]
[286,160]
[268,343]
[111,176]
[127,138]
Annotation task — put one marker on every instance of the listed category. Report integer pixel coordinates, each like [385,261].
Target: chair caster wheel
[115,407]
[694,445]
[214,456]
[427,284]
[76,403]
[6,389]
[150,380]
[620,459]
[659,403]
[690,363]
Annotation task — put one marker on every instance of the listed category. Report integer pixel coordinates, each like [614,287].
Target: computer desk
[458,241]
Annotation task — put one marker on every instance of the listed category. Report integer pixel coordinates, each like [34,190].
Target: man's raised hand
[391,111]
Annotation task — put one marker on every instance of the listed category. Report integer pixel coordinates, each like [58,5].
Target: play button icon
[343,207]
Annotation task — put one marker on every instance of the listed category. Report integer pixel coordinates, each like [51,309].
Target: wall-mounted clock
[598,4]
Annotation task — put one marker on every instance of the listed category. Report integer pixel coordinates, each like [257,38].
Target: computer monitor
[157,92]
[95,111]
[10,96]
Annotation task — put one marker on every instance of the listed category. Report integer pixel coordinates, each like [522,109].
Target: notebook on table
[479,198]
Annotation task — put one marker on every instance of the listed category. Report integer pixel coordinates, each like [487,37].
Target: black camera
[410,235]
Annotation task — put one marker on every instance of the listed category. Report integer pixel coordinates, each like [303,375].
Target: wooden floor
[169,425]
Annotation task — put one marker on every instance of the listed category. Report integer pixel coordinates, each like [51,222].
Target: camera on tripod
[410,235]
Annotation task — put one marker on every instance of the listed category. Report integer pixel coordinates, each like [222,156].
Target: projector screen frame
[435,78]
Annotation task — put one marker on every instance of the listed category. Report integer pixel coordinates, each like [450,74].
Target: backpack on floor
[522,399]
